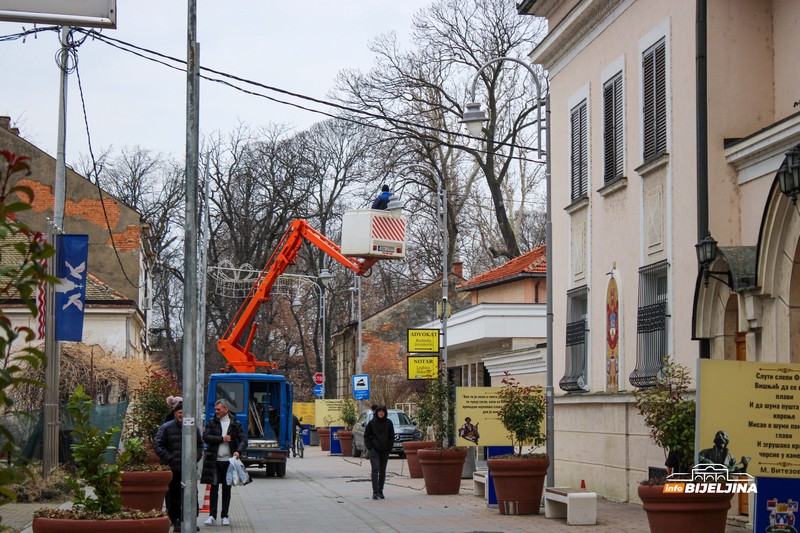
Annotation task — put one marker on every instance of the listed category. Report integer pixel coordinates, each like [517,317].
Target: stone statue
[720,455]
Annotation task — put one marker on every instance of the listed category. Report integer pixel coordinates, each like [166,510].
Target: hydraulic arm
[238,354]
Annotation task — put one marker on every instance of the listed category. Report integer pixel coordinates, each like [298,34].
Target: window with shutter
[612,128]
[579,152]
[654,111]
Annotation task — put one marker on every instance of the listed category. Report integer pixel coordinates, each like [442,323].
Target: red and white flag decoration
[41,304]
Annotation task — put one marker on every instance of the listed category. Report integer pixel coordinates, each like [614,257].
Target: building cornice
[762,152]
[528,361]
[583,23]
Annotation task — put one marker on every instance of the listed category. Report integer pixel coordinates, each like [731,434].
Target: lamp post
[323,281]
[474,117]
[441,214]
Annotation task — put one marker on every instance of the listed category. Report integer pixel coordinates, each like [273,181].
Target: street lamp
[474,117]
[441,213]
[323,281]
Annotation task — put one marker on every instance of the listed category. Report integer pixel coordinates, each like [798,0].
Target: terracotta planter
[145,491]
[61,525]
[346,442]
[519,484]
[152,458]
[411,449]
[687,513]
[324,439]
[442,469]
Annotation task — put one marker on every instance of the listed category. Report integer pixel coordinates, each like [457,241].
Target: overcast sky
[298,46]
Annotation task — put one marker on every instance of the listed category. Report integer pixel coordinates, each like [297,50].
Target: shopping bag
[237,474]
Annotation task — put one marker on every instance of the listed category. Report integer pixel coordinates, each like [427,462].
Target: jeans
[222,471]
[378,460]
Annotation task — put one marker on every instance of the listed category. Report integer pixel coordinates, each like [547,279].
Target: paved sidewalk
[322,493]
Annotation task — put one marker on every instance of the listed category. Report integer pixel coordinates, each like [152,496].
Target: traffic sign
[318,390]
[319,378]
[361,387]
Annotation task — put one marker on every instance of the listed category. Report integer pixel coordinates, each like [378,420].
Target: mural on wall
[612,336]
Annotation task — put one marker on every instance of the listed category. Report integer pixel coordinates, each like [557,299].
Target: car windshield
[399,419]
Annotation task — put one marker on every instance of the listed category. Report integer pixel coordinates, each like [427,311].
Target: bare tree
[419,95]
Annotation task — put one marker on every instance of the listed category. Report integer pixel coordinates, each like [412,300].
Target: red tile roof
[531,264]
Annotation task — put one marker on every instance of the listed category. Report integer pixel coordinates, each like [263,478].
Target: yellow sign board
[304,411]
[328,413]
[476,417]
[423,340]
[758,406]
[423,367]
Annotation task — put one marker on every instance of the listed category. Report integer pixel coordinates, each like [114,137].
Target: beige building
[628,180]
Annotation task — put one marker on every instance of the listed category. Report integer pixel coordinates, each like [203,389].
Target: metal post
[201,312]
[549,395]
[550,409]
[360,332]
[189,433]
[321,288]
[52,423]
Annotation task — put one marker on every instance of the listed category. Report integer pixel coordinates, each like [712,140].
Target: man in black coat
[168,446]
[379,438]
[226,438]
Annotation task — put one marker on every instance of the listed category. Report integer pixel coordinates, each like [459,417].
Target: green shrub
[88,452]
[149,404]
[21,272]
[522,413]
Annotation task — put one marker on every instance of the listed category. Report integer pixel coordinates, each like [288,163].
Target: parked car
[405,430]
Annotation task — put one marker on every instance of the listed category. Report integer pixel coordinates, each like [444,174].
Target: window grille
[651,325]
[613,141]
[654,112]
[579,152]
[575,375]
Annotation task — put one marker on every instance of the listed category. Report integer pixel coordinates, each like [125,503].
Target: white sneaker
[226,522]
[211,522]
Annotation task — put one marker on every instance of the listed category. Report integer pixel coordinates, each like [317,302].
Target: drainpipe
[702,135]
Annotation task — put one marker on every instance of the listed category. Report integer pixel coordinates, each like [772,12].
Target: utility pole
[189,430]
[52,349]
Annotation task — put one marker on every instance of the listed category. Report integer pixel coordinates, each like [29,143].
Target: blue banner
[72,252]
[776,505]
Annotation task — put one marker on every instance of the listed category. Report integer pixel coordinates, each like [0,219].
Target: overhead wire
[72,47]
[142,51]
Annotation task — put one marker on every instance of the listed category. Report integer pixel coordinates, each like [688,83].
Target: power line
[141,51]
[73,47]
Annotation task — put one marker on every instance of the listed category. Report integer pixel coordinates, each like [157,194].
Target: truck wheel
[271,469]
[280,469]
[356,451]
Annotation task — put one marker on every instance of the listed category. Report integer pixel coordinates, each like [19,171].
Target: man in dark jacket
[225,437]
[168,446]
[378,438]
[382,201]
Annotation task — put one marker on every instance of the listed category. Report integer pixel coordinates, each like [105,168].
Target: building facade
[118,291]
[629,171]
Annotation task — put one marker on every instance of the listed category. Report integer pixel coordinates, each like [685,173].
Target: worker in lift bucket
[382,201]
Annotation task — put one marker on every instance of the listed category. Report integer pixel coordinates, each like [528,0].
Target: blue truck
[263,404]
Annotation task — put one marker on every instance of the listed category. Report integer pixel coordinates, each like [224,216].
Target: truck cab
[263,405]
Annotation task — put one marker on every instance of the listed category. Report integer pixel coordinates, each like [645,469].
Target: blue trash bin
[306,433]
[336,446]
[491,451]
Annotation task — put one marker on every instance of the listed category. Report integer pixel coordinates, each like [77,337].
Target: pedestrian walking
[225,438]
[378,438]
[168,446]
